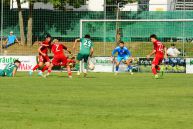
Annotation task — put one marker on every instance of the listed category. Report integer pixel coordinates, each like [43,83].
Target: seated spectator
[11,39]
[173,51]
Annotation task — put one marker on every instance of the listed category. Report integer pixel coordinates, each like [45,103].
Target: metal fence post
[1,26]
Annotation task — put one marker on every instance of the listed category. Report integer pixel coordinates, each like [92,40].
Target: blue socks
[117,68]
[129,68]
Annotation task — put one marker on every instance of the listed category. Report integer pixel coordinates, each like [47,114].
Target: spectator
[11,39]
[173,51]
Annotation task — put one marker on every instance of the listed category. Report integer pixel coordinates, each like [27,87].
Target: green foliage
[112,2]
[60,4]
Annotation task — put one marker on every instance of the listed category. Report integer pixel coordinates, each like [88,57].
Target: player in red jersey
[43,57]
[159,51]
[59,58]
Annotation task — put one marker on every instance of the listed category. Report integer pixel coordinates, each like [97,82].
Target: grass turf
[101,101]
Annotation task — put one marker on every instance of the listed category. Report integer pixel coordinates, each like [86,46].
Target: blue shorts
[124,58]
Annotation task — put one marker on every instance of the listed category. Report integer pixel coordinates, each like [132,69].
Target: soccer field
[101,101]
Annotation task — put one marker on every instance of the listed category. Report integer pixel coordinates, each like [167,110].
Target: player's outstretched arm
[67,49]
[91,52]
[74,46]
[153,52]
[129,53]
[39,50]
[14,72]
[113,52]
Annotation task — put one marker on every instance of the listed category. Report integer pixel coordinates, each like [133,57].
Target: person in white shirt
[173,51]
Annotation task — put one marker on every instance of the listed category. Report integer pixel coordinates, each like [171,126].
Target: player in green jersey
[86,51]
[10,69]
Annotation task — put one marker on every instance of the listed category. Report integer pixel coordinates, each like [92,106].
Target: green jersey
[9,69]
[86,45]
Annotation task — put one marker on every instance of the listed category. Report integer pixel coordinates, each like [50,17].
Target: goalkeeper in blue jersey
[124,55]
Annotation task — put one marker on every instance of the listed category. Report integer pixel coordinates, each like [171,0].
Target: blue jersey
[122,52]
[11,39]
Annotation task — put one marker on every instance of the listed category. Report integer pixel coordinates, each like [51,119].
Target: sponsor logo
[25,67]
[103,61]
[7,59]
[191,61]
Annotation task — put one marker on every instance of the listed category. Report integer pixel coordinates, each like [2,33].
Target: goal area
[135,33]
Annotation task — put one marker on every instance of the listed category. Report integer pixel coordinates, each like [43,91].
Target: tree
[60,4]
[115,5]
[57,3]
[21,25]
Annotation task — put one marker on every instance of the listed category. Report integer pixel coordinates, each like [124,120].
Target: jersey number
[57,46]
[10,66]
[87,43]
[160,48]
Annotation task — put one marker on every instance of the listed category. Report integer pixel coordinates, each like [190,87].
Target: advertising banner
[103,64]
[170,65]
[189,65]
[27,62]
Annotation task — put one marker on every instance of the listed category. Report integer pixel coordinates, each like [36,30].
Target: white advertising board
[189,65]
[103,64]
[27,62]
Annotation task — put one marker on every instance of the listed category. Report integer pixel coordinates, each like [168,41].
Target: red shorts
[157,60]
[59,60]
[43,58]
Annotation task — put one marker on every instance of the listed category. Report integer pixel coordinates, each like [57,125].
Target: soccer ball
[91,66]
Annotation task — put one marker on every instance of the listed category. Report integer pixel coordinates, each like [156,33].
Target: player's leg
[78,59]
[119,59]
[71,62]
[161,69]
[47,64]
[69,71]
[117,67]
[49,69]
[85,67]
[155,66]
[55,62]
[40,64]
[66,62]
[128,62]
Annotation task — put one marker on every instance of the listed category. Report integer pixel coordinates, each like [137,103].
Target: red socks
[158,68]
[49,71]
[154,69]
[44,68]
[36,67]
[69,71]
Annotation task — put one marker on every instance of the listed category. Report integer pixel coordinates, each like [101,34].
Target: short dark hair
[87,36]
[121,42]
[17,61]
[48,35]
[153,36]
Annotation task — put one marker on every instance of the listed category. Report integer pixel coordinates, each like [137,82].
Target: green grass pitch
[101,101]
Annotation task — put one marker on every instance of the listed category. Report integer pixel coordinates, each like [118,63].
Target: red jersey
[46,43]
[58,49]
[159,47]
[44,50]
